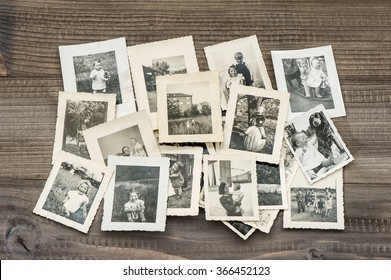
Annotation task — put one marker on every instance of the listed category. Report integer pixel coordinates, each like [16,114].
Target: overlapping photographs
[310,75]
[73,191]
[255,123]
[77,112]
[184,179]
[230,188]
[316,206]
[130,135]
[99,67]
[316,144]
[240,228]
[238,62]
[188,108]
[136,198]
[147,61]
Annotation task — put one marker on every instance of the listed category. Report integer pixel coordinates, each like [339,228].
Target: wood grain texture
[30,33]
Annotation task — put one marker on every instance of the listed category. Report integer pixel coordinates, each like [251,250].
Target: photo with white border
[230,183]
[131,135]
[266,220]
[310,76]
[188,108]
[316,144]
[184,179]
[73,191]
[77,112]
[238,61]
[136,199]
[255,123]
[316,206]
[99,67]
[147,61]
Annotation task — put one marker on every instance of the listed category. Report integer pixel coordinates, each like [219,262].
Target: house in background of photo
[185,101]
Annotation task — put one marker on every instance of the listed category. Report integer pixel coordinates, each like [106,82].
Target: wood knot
[21,239]
[314,254]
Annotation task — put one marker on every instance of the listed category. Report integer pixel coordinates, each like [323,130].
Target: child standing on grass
[99,78]
[75,203]
[134,208]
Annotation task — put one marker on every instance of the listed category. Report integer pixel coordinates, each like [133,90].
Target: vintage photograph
[230,188]
[317,206]
[188,108]
[238,62]
[255,123]
[240,228]
[99,67]
[73,191]
[289,162]
[130,135]
[316,144]
[266,220]
[148,61]
[136,198]
[184,179]
[310,76]
[77,112]
[271,186]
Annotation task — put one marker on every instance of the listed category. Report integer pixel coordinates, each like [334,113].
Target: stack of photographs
[141,127]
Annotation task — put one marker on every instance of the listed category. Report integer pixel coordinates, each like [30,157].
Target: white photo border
[138,54]
[274,158]
[62,157]
[327,52]
[160,223]
[119,46]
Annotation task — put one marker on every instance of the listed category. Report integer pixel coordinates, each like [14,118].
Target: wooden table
[30,33]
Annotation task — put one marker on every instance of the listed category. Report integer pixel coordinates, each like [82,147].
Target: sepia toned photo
[136,198]
[316,206]
[73,191]
[230,188]
[188,108]
[161,58]
[316,144]
[311,77]
[289,162]
[240,228]
[130,135]
[184,179]
[238,62]
[266,220]
[99,67]
[271,186]
[77,112]
[255,122]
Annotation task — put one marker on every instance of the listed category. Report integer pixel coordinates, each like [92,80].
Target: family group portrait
[314,204]
[316,144]
[98,73]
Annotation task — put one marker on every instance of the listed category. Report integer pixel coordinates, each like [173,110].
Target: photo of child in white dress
[99,78]
[76,201]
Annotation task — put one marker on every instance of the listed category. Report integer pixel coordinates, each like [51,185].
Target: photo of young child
[176,178]
[134,208]
[233,78]
[99,78]
[317,79]
[237,196]
[76,201]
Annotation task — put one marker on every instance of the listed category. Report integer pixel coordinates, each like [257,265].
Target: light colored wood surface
[30,78]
